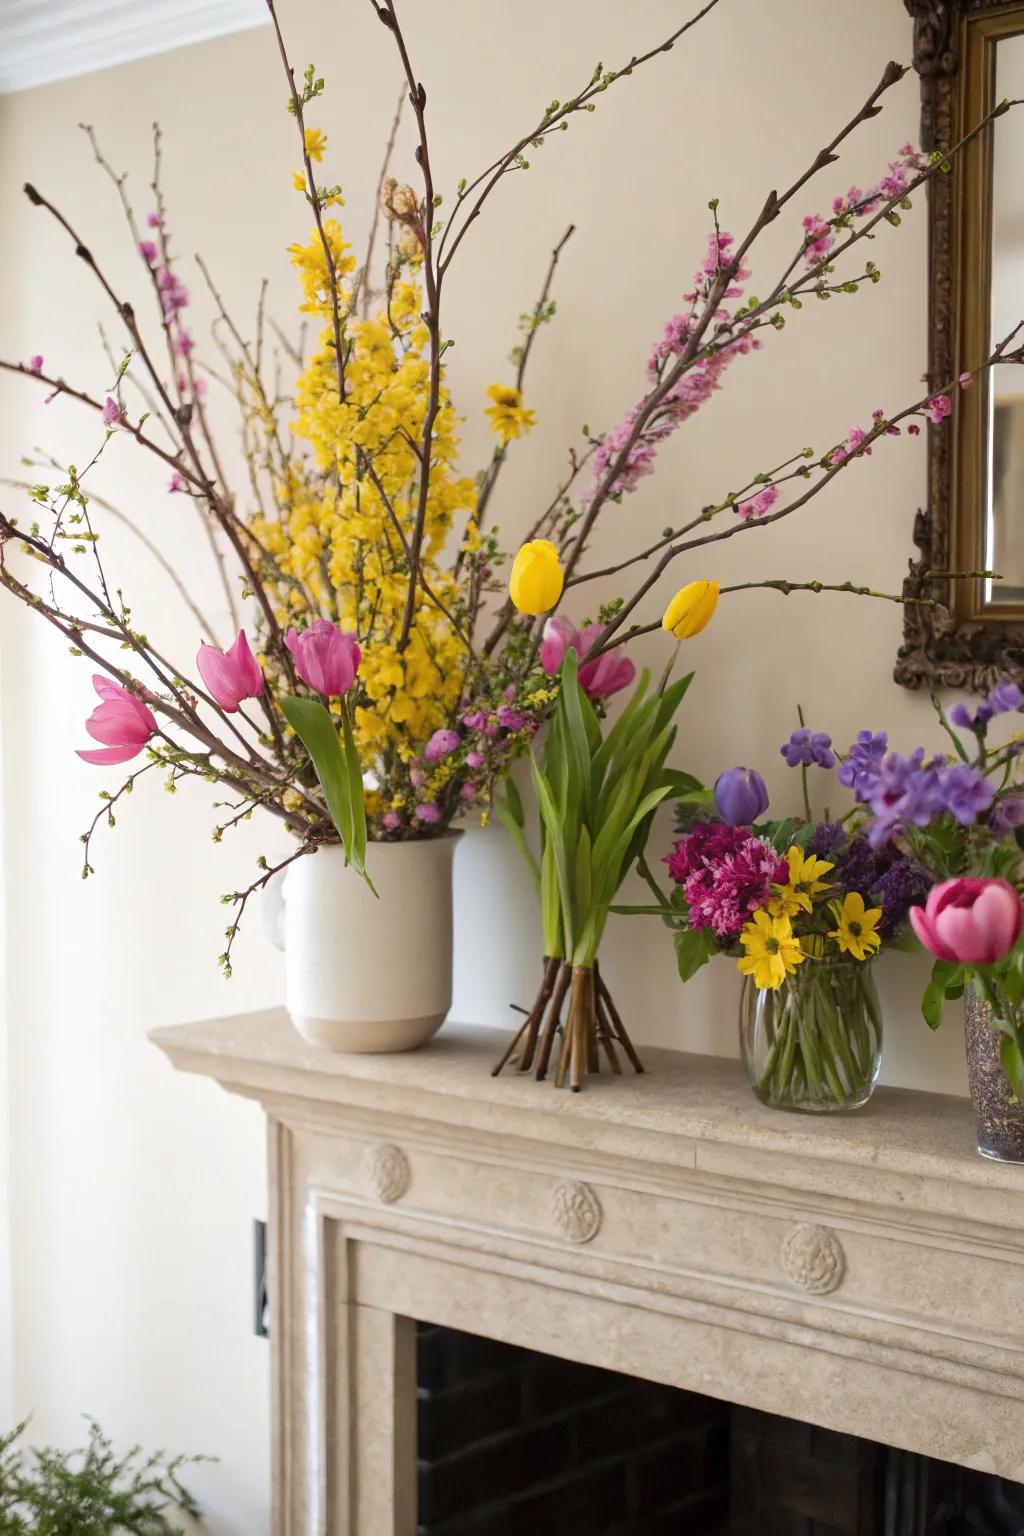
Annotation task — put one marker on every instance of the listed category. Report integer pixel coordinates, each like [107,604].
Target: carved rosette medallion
[387,1169]
[813,1258]
[577,1212]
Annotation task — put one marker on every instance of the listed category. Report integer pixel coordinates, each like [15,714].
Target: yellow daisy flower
[772,950]
[856,928]
[316,143]
[508,416]
[805,882]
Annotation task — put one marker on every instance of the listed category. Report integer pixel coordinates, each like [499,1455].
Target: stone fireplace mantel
[864,1272]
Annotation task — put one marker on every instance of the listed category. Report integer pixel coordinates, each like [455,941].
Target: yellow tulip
[690,609]
[536,581]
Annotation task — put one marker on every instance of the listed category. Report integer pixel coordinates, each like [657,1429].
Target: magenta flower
[938,408]
[173,293]
[175,483]
[468,791]
[757,506]
[726,875]
[149,252]
[441,745]
[112,413]
[969,922]
[599,678]
[231,675]
[429,812]
[326,659]
[121,721]
[391,821]
[36,363]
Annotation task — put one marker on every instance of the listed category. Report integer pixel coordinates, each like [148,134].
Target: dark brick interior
[515,1443]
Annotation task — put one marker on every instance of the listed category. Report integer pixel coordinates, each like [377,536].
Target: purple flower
[441,745]
[1007,816]
[907,791]
[806,747]
[965,793]
[175,483]
[827,841]
[858,870]
[468,790]
[36,363]
[429,812]
[511,719]
[149,252]
[111,412]
[902,886]
[391,820]
[859,771]
[740,796]
[474,759]
[1004,698]
[476,720]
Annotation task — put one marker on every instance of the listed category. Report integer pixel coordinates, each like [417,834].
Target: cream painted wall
[132,1190]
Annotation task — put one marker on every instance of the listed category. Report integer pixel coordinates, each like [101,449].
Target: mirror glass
[1005,498]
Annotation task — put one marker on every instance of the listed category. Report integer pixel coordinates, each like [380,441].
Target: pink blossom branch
[883,426]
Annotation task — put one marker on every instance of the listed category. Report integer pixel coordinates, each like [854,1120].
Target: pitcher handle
[272,909]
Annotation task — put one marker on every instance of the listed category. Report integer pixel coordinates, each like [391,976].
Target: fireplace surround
[863,1273]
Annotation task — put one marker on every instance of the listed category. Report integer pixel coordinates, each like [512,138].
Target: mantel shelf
[678,1112]
[833,1269]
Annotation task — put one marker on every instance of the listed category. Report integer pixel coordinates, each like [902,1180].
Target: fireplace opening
[516,1443]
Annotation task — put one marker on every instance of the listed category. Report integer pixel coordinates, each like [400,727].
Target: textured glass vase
[999,1115]
[815,1045]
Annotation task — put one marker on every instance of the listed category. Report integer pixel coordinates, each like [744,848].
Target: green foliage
[91,1491]
[338,769]
[596,794]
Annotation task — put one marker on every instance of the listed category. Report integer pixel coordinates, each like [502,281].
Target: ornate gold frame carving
[961,641]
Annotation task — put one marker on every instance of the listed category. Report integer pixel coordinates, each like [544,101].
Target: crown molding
[46,40]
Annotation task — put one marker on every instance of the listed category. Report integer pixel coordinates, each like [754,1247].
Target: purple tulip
[122,722]
[231,675]
[326,659]
[740,796]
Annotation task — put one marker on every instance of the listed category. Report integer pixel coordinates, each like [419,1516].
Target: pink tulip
[231,675]
[969,922]
[326,659]
[122,722]
[600,678]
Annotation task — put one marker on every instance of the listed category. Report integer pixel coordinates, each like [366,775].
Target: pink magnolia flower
[599,678]
[326,659]
[969,922]
[231,675]
[121,721]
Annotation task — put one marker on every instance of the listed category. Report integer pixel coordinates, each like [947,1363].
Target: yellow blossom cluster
[346,509]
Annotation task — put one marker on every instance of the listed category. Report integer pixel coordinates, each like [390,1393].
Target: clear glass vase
[815,1045]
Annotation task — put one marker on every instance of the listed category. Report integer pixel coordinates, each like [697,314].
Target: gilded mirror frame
[962,641]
